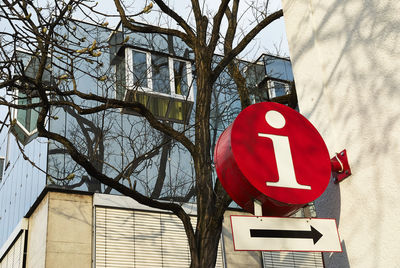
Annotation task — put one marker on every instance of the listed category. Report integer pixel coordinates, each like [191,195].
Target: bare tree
[65,52]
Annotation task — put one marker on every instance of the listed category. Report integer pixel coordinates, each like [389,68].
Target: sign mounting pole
[257,208]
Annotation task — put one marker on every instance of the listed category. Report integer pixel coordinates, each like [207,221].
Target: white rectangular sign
[288,234]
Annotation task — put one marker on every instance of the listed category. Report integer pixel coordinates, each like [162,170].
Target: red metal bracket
[340,166]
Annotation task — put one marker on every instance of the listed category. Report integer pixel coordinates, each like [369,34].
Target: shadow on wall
[331,196]
[337,259]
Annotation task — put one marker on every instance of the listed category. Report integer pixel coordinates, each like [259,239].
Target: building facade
[55,215]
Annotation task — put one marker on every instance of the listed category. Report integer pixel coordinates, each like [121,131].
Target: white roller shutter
[128,238]
[281,259]
[219,263]
[114,237]
[15,255]
[174,240]
[148,236]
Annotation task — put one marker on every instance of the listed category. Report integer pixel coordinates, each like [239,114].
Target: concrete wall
[346,68]
[37,236]
[60,232]
[69,237]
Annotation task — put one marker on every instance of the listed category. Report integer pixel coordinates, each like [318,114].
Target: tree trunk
[209,222]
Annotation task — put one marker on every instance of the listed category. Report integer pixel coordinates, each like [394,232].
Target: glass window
[22,114]
[24,128]
[139,69]
[31,65]
[278,68]
[142,98]
[180,77]
[165,85]
[160,74]
[278,89]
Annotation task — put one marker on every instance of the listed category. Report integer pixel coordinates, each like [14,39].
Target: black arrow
[313,233]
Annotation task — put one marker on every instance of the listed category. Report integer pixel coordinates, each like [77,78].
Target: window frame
[149,89]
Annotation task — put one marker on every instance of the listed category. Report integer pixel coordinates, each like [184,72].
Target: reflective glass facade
[120,143]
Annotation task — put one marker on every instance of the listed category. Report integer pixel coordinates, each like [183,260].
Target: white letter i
[283,155]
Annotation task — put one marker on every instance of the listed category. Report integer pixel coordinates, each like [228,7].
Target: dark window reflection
[160,74]
[139,69]
[180,75]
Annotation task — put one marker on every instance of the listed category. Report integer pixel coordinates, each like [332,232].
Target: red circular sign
[273,154]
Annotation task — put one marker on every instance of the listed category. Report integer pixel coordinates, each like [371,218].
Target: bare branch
[188,38]
[244,42]
[217,24]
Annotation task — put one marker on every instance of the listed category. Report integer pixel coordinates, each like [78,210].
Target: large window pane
[278,68]
[22,115]
[180,76]
[139,69]
[160,74]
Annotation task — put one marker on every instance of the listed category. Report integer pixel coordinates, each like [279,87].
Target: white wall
[345,57]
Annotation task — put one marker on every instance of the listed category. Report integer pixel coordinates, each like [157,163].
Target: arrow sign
[312,234]
[288,234]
